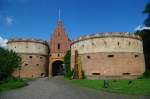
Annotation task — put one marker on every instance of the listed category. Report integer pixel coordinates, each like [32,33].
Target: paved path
[57,88]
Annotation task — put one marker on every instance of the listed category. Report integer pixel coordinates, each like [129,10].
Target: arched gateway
[59,44]
[57,68]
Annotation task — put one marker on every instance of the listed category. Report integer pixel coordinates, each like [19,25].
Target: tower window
[126,73]
[95,73]
[58,46]
[30,56]
[136,56]
[25,64]
[88,57]
[118,43]
[110,56]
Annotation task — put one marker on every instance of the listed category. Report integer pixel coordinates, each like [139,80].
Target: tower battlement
[109,34]
[27,40]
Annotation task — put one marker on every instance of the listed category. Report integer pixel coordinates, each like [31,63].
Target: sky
[38,18]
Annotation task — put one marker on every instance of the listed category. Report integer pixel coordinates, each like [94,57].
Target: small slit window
[58,46]
[30,56]
[88,57]
[95,73]
[41,57]
[126,73]
[136,56]
[58,55]
[110,56]
[25,64]
[118,43]
[37,64]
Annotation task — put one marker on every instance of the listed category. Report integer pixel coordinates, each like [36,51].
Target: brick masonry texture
[59,44]
[110,57]
[33,66]
[34,56]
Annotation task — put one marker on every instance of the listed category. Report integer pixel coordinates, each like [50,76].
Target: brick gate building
[59,43]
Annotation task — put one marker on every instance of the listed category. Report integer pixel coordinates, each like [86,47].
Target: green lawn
[138,87]
[12,85]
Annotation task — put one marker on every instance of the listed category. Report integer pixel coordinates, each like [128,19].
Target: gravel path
[57,88]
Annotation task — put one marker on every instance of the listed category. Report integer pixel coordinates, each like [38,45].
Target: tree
[147,11]
[67,58]
[145,34]
[9,61]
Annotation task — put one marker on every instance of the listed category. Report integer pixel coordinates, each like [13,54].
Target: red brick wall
[32,66]
[59,38]
[112,67]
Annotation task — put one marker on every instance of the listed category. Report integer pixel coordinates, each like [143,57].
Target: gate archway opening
[57,68]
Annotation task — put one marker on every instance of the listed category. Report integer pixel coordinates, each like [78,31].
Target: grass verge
[137,87]
[12,84]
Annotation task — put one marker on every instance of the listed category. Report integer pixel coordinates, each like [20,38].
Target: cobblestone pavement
[57,88]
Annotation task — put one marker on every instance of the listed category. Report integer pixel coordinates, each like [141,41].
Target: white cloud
[9,20]
[3,42]
[139,28]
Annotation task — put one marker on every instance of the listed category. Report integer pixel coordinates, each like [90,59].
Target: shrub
[9,61]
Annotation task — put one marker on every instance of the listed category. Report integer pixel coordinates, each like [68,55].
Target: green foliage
[138,86]
[12,84]
[147,11]
[67,58]
[9,61]
[145,34]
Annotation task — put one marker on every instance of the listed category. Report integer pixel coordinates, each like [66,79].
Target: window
[126,73]
[30,56]
[41,57]
[136,56]
[25,64]
[88,57]
[129,43]
[110,56]
[118,43]
[95,73]
[58,46]
[58,55]
[37,64]
[42,74]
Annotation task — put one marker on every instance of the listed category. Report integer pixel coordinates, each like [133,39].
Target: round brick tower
[34,54]
[110,55]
